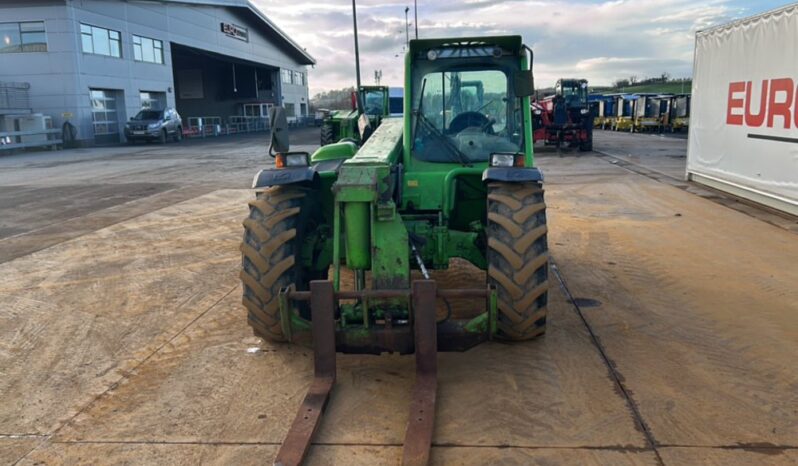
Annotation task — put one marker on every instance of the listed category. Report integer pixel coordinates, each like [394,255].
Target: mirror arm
[531,56]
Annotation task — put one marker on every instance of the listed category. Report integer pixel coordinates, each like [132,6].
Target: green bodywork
[382,195]
[344,123]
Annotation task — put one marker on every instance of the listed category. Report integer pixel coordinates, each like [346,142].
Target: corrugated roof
[513,43]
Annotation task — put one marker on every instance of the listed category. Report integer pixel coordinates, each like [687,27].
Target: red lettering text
[781,108]
[752,120]
[795,111]
[732,118]
[776,98]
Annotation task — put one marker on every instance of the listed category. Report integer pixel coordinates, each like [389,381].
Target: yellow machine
[624,113]
[679,113]
[650,112]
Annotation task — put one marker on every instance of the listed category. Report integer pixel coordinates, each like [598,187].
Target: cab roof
[513,44]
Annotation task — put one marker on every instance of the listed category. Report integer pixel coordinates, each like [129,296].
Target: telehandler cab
[565,117]
[373,102]
[453,178]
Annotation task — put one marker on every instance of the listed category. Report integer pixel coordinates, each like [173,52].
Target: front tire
[162,137]
[518,258]
[178,134]
[278,220]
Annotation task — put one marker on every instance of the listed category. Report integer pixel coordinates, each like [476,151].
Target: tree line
[634,80]
[335,99]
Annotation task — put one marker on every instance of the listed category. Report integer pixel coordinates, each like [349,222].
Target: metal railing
[210,126]
[24,139]
[246,124]
[201,127]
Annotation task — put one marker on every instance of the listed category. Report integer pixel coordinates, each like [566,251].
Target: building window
[103,112]
[100,41]
[293,77]
[290,110]
[152,100]
[23,37]
[303,110]
[287,76]
[147,50]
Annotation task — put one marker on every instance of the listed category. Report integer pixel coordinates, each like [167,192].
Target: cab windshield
[464,116]
[148,115]
[680,107]
[574,94]
[374,102]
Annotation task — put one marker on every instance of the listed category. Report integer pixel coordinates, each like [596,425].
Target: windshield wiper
[418,111]
[462,158]
[453,150]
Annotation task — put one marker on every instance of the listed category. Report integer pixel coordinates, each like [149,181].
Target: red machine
[564,118]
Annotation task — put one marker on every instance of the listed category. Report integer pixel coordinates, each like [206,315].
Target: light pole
[415,13]
[357,49]
[407,27]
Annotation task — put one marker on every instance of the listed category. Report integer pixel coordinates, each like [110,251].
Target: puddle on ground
[586,302]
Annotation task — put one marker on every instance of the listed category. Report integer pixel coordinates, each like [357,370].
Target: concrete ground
[672,339]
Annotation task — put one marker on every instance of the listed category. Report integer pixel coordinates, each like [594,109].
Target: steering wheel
[470,120]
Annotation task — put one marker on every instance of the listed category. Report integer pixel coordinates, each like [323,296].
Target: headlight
[584,111]
[153,125]
[296,159]
[506,160]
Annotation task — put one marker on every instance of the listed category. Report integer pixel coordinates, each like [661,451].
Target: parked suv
[155,125]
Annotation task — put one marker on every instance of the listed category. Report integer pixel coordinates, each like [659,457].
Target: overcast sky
[598,40]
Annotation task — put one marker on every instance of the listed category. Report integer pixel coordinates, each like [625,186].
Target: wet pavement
[673,325]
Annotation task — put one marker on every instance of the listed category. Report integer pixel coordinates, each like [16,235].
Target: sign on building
[235,31]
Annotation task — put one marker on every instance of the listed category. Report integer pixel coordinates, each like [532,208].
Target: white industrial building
[96,63]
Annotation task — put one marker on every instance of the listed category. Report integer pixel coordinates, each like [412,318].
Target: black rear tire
[326,134]
[518,258]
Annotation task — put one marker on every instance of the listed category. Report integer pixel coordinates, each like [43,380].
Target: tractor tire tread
[267,254]
[518,258]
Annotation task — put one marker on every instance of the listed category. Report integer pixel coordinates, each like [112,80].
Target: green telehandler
[453,178]
[371,101]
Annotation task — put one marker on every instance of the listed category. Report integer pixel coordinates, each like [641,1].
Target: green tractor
[371,101]
[453,178]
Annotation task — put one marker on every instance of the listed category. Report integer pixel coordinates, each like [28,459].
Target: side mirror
[363,125]
[280,141]
[524,84]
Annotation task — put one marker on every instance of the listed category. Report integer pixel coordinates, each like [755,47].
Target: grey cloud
[569,37]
